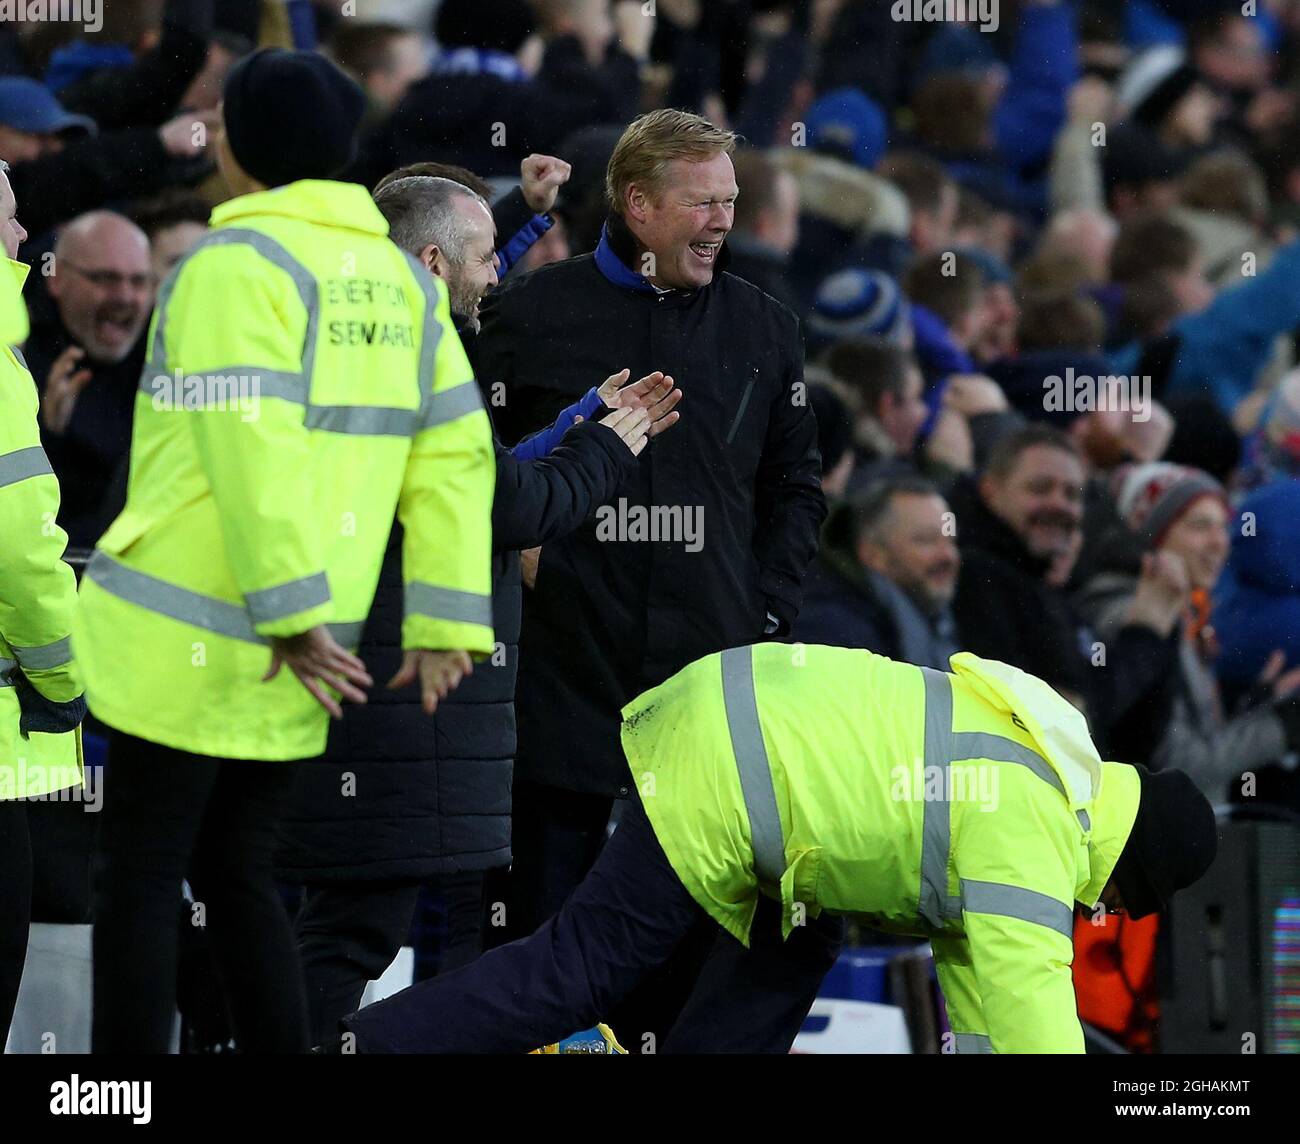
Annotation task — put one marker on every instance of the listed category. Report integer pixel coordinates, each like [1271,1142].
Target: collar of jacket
[616,254]
[14,324]
[344,206]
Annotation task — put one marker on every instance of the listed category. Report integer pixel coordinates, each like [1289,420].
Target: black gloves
[44,715]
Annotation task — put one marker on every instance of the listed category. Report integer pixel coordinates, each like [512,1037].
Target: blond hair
[654,140]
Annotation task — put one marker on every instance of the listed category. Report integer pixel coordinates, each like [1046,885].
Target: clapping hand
[656,393]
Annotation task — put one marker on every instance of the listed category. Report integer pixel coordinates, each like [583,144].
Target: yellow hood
[1056,725]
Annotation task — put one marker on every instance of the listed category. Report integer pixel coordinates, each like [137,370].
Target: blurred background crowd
[1047,275]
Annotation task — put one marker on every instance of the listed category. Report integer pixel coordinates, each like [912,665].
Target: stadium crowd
[1021,372]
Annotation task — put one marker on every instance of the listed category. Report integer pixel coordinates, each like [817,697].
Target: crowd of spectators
[1047,276]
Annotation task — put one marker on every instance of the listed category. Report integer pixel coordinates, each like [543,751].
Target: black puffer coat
[432,796]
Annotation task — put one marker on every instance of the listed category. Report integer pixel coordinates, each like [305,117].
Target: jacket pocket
[124,532]
[744,404]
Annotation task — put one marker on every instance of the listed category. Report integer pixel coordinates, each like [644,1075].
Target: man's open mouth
[705,251]
[114,328]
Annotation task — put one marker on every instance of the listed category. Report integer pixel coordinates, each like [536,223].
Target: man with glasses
[86,352]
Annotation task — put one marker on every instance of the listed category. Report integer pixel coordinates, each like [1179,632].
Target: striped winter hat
[1152,85]
[1152,497]
[855,303]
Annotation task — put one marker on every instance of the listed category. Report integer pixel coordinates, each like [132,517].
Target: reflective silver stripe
[973,1043]
[22,464]
[363,420]
[430,338]
[1017,902]
[448,604]
[1000,749]
[169,600]
[274,253]
[258,382]
[45,657]
[288,386]
[191,608]
[22,361]
[288,599]
[450,404]
[936,828]
[359,420]
[348,635]
[8,668]
[741,704]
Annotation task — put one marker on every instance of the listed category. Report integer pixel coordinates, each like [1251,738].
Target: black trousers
[349,934]
[15,906]
[555,836]
[169,815]
[628,916]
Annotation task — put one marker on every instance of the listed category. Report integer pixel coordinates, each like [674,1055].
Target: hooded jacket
[304,386]
[38,591]
[970,807]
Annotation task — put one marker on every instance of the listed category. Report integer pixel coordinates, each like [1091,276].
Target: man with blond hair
[705,547]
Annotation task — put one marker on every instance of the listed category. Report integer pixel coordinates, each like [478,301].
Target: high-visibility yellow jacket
[38,591]
[304,383]
[968,807]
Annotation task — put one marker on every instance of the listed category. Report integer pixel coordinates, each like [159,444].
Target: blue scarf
[615,269]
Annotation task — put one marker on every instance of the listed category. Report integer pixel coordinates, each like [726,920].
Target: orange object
[1114,977]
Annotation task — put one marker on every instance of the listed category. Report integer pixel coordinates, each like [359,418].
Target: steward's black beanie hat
[1173,842]
[291,115]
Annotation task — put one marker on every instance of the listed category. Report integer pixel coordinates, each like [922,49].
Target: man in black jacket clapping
[709,541]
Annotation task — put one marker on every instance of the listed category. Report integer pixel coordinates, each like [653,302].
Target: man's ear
[433,261]
[636,202]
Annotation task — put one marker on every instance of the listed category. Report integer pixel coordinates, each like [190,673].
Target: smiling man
[86,352]
[886,574]
[1019,532]
[611,616]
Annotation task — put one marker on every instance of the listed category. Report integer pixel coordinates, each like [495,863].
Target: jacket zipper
[744,404]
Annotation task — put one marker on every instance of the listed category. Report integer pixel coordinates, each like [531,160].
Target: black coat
[765,268]
[1006,610]
[612,616]
[432,796]
[842,611]
[89,454]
